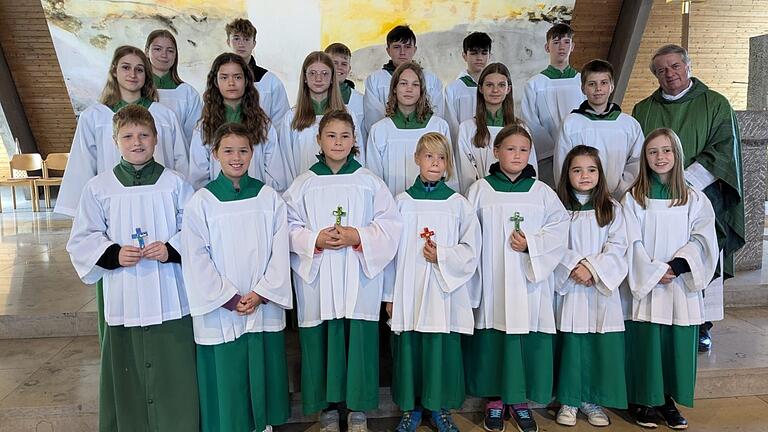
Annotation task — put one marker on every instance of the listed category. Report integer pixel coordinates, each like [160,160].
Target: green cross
[517,219]
[339,212]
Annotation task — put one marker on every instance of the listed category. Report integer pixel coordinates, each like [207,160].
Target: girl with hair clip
[163,53]
[392,140]
[93,148]
[495,109]
[319,94]
[231,97]
[672,256]
[590,363]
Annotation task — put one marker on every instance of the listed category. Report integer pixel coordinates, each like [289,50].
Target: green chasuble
[164,82]
[709,132]
[233,115]
[146,103]
[409,121]
[552,72]
[321,168]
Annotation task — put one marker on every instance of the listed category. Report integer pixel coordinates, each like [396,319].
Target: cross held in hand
[339,212]
[517,219]
[427,234]
[140,237]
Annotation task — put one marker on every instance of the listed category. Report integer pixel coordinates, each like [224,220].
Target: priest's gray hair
[670,49]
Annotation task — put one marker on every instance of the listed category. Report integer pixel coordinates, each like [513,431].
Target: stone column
[753,126]
[757,91]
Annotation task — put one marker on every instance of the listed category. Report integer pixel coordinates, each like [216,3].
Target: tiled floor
[51,383]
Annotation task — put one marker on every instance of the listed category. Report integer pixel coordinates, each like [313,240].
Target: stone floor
[49,357]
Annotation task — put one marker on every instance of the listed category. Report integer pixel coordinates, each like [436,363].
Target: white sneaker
[329,421]
[595,414]
[268,428]
[357,422]
[567,415]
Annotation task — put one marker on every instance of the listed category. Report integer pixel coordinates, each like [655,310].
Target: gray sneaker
[329,421]
[357,422]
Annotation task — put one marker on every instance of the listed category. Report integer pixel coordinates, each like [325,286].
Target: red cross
[427,234]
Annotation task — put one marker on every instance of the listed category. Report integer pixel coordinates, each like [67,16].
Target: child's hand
[430,252]
[668,277]
[388,307]
[156,251]
[346,236]
[518,242]
[581,275]
[325,236]
[248,303]
[128,256]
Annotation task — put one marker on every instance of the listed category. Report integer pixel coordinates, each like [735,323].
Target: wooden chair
[56,162]
[23,162]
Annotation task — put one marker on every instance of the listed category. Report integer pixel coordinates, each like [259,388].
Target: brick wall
[35,69]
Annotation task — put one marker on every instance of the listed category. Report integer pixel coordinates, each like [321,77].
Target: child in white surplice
[430,292]
[589,316]
[672,256]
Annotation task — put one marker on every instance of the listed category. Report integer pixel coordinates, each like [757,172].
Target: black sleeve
[173,255]
[679,266]
[110,260]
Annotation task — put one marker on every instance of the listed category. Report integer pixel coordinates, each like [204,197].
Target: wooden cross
[517,219]
[339,212]
[140,237]
[427,234]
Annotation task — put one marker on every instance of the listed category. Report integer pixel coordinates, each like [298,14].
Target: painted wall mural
[86,32]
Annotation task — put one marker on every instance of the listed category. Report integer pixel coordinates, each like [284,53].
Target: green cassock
[709,132]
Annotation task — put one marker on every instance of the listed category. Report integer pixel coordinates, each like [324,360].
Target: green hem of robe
[243,383]
[148,378]
[591,369]
[427,367]
[340,363]
[660,359]
[101,325]
[516,367]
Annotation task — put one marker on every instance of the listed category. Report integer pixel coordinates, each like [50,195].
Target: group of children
[208,220]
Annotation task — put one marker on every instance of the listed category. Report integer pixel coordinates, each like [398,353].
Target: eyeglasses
[313,74]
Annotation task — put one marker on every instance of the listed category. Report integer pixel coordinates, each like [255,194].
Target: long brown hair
[601,199]
[111,93]
[423,109]
[305,114]
[678,189]
[214,111]
[173,71]
[483,135]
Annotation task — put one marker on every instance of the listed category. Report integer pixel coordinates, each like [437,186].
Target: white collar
[679,95]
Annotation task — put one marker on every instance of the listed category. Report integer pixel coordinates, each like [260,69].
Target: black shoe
[524,419]
[644,416]
[494,416]
[705,341]
[672,416]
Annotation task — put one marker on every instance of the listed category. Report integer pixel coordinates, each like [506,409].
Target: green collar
[552,72]
[574,205]
[164,82]
[223,189]
[319,107]
[501,183]
[697,89]
[321,168]
[389,67]
[410,121]
[611,113]
[424,191]
[233,115]
[146,103]
[658,190]
[129,176]
[346,90]
[468,81]
[494,119]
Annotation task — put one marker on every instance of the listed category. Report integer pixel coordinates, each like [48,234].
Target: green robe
[709,132]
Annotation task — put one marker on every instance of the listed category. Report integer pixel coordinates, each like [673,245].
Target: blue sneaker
[409,421]
[443,421]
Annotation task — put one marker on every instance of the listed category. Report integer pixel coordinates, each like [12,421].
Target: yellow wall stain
[98,8]
[361,23]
